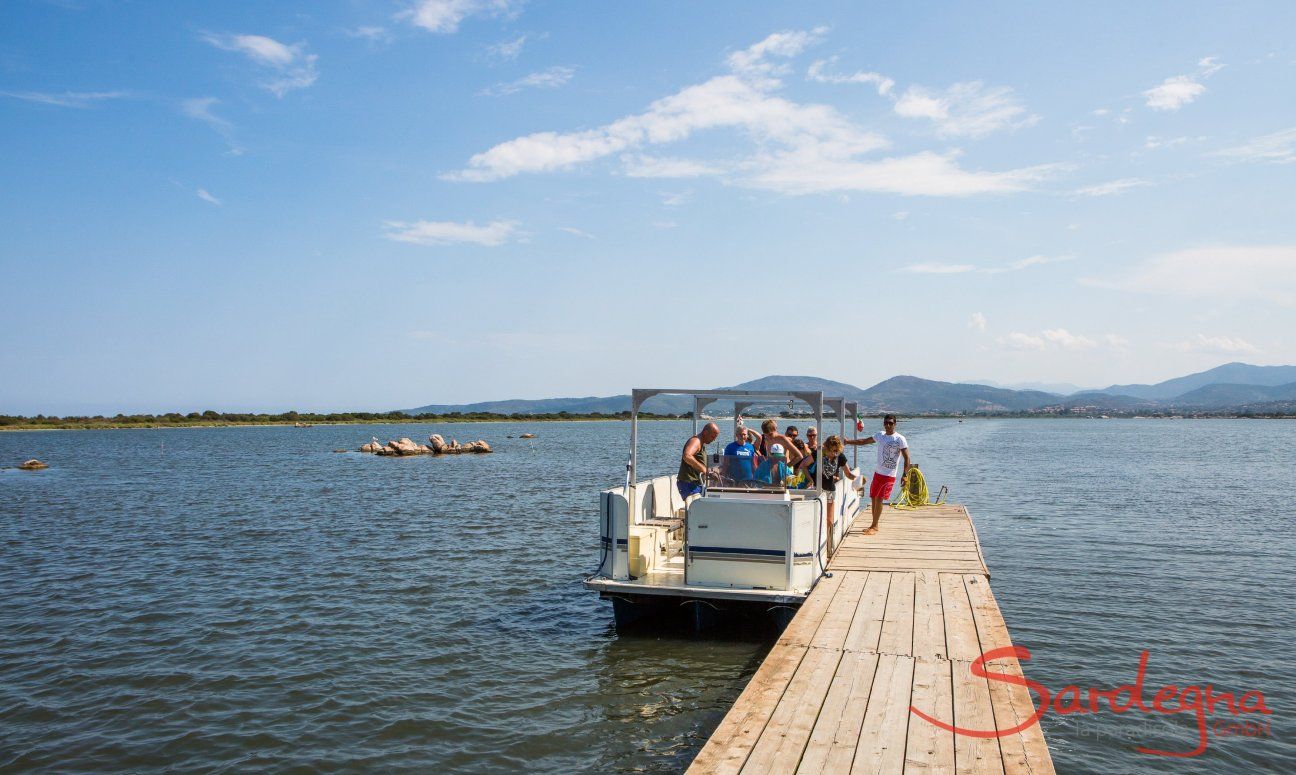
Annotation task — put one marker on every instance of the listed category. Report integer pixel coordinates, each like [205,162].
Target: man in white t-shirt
[891,447]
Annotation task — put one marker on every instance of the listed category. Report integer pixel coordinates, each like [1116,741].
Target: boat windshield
[755,473]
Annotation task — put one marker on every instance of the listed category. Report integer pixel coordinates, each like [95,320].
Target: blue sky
[373,205]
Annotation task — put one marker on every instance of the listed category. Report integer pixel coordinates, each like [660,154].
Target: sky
[374,204]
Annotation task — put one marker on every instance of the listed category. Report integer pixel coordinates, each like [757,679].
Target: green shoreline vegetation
[212,419]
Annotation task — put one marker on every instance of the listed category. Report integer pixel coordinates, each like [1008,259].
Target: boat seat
[670,523]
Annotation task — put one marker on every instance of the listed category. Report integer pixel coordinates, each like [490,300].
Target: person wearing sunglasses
[891,446]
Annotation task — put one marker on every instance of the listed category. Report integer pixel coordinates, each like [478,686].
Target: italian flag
[859,424]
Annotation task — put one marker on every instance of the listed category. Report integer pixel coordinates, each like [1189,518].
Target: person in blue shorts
[693,465]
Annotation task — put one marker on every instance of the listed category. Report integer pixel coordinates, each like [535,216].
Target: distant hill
[1229,373]
[1061,388]
[914,394]
[1223,395]
[1234,386]
[786,382]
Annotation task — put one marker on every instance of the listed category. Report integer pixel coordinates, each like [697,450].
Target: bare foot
[870,531]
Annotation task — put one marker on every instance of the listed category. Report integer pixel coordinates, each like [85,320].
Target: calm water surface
[245,598]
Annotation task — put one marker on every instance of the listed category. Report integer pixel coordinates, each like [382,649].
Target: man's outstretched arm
[862,442]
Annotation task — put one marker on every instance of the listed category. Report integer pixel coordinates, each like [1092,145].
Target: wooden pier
[898,624]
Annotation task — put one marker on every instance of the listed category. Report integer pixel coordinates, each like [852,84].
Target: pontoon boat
[743,545]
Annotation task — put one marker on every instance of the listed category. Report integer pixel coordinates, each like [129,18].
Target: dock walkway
[898,623]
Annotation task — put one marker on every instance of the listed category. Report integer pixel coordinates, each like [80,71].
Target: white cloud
[445,15]
[801,148]
[206,197]
[1173,93]
[507,50]
[1208,66]
[1037,260]
[965,109]
[449,232]
[818,73]
[754,60]
[639,166]
[1242,273]
[201,109]
[824,167]
[576,232]
[550,78]
[1067,340]
[1019,341]
[67,99]
[1179,90]
[1113,187]
[1059,339]
[977,322]
[900,215]
[1154,142]
[291,67]
[1216,345]
[1015,266]
[1276,148]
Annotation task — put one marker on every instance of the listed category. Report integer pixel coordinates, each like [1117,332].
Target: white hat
[776,450]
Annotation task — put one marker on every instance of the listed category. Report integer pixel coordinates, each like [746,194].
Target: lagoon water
[238,599]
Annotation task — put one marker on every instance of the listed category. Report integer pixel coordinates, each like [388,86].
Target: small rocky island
[436,446]
[32,465]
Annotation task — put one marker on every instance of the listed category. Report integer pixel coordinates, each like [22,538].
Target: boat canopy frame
[742,399]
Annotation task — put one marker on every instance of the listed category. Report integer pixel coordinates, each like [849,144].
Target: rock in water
[438,443]
[32,465]
[527,436]
[372,447]
[405,447]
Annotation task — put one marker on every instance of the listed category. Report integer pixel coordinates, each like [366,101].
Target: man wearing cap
[891,446]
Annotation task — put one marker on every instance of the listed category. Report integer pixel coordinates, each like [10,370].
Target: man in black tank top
[693,464]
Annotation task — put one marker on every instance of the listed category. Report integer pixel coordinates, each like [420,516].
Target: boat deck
[897,624]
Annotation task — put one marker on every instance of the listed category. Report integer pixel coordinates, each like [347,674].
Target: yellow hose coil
[913,491]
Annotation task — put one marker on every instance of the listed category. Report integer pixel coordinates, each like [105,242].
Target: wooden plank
[1024,751]
[785,736]
[929,617]
[961,639]
[866,624]
[898,621]
[837,620]
[918,554]
[836,732]
[973,710]
[803,626]
[930,748]
[728,747]
[958,567]
[881,747]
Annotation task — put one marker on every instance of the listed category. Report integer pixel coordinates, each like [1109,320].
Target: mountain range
[1233,387]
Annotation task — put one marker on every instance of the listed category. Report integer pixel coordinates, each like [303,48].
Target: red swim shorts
[881,486]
